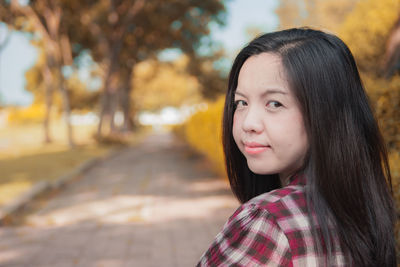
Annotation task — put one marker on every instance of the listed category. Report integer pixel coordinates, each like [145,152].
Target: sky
[241,15]
[19,55]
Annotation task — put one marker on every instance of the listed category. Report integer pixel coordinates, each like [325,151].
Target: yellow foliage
[366,30]
[394,161]
[32,114]
[203,132]
[163,84]
[385,98]
[325,14]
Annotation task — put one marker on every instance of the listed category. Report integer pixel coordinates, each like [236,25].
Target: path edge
[42,186]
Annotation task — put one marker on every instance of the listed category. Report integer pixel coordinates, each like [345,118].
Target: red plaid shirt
[271,229]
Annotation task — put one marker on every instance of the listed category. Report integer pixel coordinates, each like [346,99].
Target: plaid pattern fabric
[271,229]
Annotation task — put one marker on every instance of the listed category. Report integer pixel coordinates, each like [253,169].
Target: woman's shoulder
[254,235]
[286,202]
[284,194]
[272,229]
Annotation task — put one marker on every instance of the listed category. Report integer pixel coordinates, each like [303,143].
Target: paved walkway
[153,205]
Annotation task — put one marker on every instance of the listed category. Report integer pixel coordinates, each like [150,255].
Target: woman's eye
[240,103]
[274,104]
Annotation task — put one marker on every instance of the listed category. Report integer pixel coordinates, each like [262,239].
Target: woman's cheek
[234,119]
[235,126]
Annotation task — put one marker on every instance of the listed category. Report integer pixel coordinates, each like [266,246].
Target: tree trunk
[112,67]
[127,125]
[104,110]
[49,27]
[125,102]
[113,110]
[47,78]
[110,87]
[67,111]
[391,58]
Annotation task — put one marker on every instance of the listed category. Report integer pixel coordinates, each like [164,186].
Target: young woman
[305,157]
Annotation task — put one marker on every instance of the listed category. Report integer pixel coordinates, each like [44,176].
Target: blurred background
[79,79]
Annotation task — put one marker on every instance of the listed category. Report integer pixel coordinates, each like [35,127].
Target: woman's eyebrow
[266,92]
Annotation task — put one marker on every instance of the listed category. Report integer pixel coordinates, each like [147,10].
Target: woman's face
[268,126]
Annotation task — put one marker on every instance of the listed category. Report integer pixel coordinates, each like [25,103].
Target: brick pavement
[154,205]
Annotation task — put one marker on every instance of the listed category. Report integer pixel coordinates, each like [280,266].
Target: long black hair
[346,167]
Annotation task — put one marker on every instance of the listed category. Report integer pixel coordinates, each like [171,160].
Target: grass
[21,172]
[26,160]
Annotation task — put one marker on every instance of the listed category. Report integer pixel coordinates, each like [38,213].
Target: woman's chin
[262,170]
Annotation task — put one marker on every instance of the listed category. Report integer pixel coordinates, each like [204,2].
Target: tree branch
[29,13]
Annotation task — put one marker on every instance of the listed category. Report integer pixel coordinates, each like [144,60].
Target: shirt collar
[297,179]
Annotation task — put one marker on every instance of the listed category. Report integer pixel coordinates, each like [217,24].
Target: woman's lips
[255,148]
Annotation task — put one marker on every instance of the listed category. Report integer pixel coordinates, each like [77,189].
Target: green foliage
[120,34]
[211,80]
[132,31]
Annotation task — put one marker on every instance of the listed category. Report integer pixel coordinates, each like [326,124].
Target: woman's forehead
[262,72]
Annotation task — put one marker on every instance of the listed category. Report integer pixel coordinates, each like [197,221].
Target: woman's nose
[252,121]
